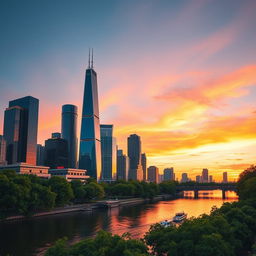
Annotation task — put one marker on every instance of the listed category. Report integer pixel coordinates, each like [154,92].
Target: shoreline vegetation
[227,231]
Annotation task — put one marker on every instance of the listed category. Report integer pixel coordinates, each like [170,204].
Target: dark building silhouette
[2,151]
[134,154]
[69,132]
[169,174]
[56,153]
[153,173]
[20,130]
[108,153]
[90,147]
[40,155]
[56,135]
[122,165]
[144,165]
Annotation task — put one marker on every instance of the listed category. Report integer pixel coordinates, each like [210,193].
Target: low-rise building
[24,168]
[70,174]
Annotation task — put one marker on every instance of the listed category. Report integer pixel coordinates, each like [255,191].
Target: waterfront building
[134,154]
[56,135]
[144,165]
[122,165]
[198,178]
[69,132]
[24,168]
[70,174]
[169,174]
[184,177]
[153,173]
[56,153]
[205,176]
[2,151]
[90,147]
[225,177]
[40,155]
[108,153]
[20,130]
[210,178]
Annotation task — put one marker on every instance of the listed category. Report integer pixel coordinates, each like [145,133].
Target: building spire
[89,61]
[92,59]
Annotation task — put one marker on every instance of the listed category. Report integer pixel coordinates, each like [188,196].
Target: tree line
[227,231]
[28,194]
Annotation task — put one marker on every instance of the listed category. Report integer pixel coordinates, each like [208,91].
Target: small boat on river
[179,217]
[166,223]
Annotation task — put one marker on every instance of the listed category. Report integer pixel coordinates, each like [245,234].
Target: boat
[166,223]
[179,217]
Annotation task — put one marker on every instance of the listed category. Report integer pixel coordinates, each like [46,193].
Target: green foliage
[94,191]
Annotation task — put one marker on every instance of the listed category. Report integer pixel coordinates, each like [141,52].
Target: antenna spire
[92,59]
[89,61]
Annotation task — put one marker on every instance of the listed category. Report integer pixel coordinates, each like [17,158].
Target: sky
[181,74]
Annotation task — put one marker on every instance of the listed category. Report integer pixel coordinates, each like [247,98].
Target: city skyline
[195,108]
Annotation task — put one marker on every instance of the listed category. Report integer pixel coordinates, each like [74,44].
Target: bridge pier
[196,194]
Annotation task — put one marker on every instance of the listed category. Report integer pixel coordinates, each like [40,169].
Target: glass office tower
[20,130]
[90,147]
[108,153]
[69,132]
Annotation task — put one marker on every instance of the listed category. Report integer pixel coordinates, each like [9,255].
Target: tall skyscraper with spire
[90,147]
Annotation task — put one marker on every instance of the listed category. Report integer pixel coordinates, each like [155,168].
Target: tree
[94,191]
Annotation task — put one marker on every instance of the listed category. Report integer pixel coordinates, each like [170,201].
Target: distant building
[160,178]
[108,153]
[144,165]
[205,178]
[134,154]
[56,135]
[56,153]
[184,177]
[70,174]
[122,165]
[153,173]
[24,168]
[20,130]
[198,178]
[210,178]
[40,155]
[169,174]
[69,132]
[225,177]
[2,151]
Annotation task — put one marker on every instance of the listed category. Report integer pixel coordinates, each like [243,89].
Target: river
[33,236]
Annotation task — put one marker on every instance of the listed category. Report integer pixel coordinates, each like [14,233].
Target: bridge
[224,187]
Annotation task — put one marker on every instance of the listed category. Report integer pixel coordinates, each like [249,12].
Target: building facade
[144,165]
[153,174]
[108,153]
[90,146]
[40,155]
[69,132]
[134,154]
[2,151]
[122,165]
[169,174]
[20,130]
[198,179]
[70,174]
[205,176]
[184,177]
[225,177]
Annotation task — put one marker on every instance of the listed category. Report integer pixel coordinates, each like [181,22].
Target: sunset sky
[181,74]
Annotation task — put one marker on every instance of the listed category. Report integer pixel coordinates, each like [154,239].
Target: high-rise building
[40,155]
[90,147]
[144,165]
[205,176]
[134,154]
[153,173]
[69,132]
[184,177]
[56,135]
[2,151]
[122,165]
[56,153]
[108,153]
[210,178]
[198,178]
[20,130]
[160,178]
[169,174]
[225,177]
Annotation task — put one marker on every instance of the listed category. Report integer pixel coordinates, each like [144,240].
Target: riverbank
[92,206]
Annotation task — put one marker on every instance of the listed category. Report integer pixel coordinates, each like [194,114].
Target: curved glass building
[90,147]
[69,132]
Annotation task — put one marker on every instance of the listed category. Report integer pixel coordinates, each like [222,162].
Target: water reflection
[24,238]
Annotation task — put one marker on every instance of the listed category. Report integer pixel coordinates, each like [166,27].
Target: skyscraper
[153,173]
[122,165]
[108,153]
[2,151]
[40,155]
[90,147]
[69,132]
[184,177]
[134,154]
[169,174]
[198,178]
[205,177]
[144,165]
[20,130]
[225,177]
